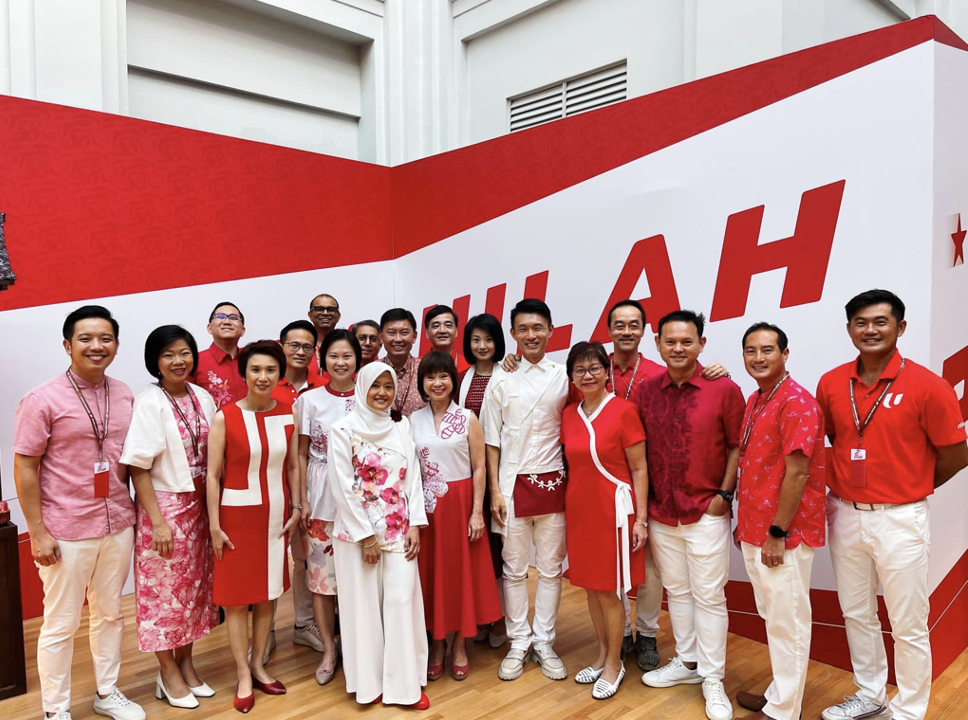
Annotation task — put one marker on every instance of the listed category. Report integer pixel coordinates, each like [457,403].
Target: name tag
[858,467]
[101,479]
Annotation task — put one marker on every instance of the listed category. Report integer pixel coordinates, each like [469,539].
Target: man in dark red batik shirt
[693,429]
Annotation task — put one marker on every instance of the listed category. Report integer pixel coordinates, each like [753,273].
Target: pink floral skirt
[173,594]
[320,564]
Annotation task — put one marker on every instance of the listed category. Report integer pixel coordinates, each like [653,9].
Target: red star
[959,240]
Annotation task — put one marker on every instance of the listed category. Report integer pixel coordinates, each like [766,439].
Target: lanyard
[611,372]
[748,430]
[197,434]
[853,403]
[100,434]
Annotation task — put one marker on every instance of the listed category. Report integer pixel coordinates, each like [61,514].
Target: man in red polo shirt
[693,430]
[217,370]
[298,340]
[781,514]
[897,434]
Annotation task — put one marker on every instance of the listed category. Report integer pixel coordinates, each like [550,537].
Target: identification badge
[198,472]
[858,467]
[101,479]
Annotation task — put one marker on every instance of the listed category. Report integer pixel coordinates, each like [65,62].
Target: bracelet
[639,522]
[373,544]
[297,506]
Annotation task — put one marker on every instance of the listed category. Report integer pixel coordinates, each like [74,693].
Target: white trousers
[694,563]
[648,600]
[783,601]
[890,546]
[302,597]
[382,625]
[547,532]
[98,568]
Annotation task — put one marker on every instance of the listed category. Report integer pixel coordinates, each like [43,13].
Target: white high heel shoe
[188,702]
[202,691]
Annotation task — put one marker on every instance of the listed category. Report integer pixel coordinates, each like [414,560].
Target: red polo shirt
[622,379]
[790,421]
[285,391]
[690,430]
[218,373]
[918,414]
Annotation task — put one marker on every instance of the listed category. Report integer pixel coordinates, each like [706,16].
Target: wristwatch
[725,495]
[778,532]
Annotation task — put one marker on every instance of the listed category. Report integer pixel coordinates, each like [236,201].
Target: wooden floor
[482,695]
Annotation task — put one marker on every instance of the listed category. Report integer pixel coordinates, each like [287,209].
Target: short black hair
[586,351]
[438,310]
[397,314]
[436,362]
[211,315]
[299,325]
[492,326]
[89,312]
[262,347]
[782,341]
[335,335]
[533,306]
[697,319]
[162,337]
[875,297]
[366,323]
[626,303]
[326,295]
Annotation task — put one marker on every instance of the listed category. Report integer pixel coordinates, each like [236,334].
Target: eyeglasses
[368,339]
[296,347]
[321,310]
[594,371]
[222,316]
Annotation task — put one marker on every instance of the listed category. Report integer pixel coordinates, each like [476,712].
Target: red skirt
[456,575]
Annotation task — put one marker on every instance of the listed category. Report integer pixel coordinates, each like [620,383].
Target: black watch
[778,532]
[725,495]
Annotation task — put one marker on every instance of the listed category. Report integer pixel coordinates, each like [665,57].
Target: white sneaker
[718,706]
[852,708]
[550,663]
[675,673]
[117,706]
[512,666]
[58,716]
[309,636]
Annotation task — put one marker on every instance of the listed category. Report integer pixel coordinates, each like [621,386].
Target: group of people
[412,496]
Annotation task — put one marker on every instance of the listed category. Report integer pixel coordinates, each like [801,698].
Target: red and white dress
[254,506]
[600,504]
[459,589]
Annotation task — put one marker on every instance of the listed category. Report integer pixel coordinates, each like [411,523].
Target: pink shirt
[52,424]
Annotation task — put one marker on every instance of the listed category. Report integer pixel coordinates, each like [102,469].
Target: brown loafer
[750,701]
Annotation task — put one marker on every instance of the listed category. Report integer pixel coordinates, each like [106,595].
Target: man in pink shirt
[73,489]
[217,370]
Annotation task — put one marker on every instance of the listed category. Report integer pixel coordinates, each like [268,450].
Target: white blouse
[154,442]
[444,454]
[317,410]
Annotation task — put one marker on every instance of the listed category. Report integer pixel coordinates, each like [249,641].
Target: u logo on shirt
[897,400]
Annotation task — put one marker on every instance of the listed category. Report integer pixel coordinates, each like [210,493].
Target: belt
[867,507]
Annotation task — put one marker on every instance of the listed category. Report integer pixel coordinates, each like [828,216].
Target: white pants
[694,563]
[890,546]
[648,600]
[783,601]
[302,598]
[98,567]
[547,532]
[382,624]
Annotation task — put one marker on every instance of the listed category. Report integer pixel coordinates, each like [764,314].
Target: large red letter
[649,256]
[804,255]
[955,370]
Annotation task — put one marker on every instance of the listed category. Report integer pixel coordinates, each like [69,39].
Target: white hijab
[377,426]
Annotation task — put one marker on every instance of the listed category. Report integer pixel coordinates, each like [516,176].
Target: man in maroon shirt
[217,370]
[693,431]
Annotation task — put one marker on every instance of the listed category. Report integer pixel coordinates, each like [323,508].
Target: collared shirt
[918,414]
[691,430]
[218,374]
[408,399]
[52,424]
[286,392]
[627,387]
[791,420]
[521,415]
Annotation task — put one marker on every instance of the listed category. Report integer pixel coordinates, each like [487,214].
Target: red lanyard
[195,436]
[100,434]
[853,403]
[748,430]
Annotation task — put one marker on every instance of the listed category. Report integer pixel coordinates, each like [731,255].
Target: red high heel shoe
[243,705]
[273,688]
[435,671]
[422,704]
[460,671]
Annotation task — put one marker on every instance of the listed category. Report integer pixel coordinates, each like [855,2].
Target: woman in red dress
[254,440]
[456,575]
[605,507]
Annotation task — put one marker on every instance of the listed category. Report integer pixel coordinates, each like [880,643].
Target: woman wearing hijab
[375,478]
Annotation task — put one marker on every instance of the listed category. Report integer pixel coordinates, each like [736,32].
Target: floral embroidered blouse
[444,454]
